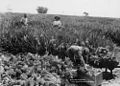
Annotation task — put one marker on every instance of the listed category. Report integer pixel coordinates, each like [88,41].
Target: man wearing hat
[75,54]
[57,22]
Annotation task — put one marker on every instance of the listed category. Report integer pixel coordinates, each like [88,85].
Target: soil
[115,81]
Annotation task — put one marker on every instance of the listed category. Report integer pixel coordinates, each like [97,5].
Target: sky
[102,8]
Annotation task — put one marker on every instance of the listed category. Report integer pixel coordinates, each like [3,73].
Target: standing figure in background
[24,20]
[58,28]
[57,22]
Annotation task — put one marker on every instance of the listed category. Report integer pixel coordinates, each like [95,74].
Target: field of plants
[20,44]
[99,31]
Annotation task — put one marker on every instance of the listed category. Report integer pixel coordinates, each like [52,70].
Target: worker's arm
[82,59]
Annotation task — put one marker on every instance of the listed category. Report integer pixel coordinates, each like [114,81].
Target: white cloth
[75,47]
[57,23]
[24,20]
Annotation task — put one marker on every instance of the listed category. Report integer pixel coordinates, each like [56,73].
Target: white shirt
[75,47]
[24,20]
[57,23]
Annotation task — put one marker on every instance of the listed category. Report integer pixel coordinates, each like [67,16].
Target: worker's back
[76,48]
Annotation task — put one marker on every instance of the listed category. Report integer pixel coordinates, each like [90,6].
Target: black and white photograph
[59,43]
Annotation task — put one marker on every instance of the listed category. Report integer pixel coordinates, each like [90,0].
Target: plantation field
[22,42]
[99,31]
[92,28]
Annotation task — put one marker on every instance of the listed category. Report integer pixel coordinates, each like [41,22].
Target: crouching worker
[74,52]
[101,51]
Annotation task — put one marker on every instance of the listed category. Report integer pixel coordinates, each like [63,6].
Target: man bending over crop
[75,54]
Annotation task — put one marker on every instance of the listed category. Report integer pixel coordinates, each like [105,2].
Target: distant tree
[42,10]
[86,13]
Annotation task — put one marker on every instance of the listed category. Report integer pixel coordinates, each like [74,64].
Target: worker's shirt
[24,20]
[57,23]
[76,49]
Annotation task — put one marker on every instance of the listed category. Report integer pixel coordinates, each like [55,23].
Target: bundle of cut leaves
[50,78]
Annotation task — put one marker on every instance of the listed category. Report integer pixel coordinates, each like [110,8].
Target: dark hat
[25,15]
[57,17]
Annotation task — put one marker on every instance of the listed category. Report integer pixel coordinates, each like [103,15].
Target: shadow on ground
[108,76]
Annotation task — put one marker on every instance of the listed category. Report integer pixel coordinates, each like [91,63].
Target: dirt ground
[115,81]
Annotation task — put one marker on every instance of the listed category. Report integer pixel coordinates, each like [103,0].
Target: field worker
[24,20]
[75,54]
[57,22]
[101,51]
